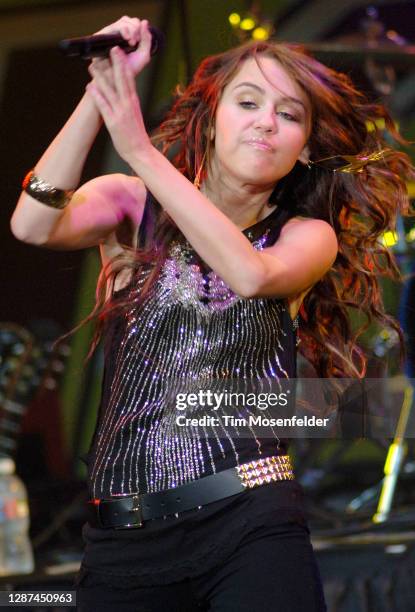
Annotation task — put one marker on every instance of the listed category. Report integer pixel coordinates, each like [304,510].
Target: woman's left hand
[120,109]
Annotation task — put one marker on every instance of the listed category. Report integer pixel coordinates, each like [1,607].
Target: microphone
[99,45]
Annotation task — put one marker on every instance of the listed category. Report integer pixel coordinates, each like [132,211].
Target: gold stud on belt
[261,471]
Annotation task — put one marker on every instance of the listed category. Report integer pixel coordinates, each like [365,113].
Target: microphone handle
[100,45]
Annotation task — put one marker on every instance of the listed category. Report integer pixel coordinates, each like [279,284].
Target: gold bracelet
[45,193]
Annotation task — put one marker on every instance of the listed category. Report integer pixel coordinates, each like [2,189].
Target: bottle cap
[7,465]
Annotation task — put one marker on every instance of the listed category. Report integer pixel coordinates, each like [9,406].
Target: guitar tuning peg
[28,370]
[50,383]
[48,347]
[17,349]
[57,366]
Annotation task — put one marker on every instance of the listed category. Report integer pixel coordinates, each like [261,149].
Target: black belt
[130,510]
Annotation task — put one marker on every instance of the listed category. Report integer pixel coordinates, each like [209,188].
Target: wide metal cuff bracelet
[45,193]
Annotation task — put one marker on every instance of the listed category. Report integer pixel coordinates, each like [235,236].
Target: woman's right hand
[134,31]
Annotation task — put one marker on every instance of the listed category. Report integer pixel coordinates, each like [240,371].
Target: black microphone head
[100,45]
[158,40]
[69,47]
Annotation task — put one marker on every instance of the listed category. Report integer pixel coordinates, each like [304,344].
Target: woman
[208,261]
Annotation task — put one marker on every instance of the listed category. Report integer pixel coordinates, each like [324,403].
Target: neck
[243,204]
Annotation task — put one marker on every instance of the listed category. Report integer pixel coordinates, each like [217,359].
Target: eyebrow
[262,91]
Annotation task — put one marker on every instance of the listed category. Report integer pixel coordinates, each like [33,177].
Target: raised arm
[97,208]
[61,166]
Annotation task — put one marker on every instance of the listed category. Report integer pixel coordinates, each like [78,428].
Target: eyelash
[249,103]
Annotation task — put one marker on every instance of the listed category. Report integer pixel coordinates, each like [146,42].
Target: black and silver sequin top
[191,326]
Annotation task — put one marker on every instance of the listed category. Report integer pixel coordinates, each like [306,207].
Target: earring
[196,182]
[309,164]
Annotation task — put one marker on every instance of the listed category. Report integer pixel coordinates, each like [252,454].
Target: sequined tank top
[190,326]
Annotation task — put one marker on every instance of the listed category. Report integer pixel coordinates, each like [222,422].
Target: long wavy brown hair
[360,205]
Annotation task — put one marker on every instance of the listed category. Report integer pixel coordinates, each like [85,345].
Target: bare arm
[98,207]
[304,252]
[97,210]
[61,165]
[300,258]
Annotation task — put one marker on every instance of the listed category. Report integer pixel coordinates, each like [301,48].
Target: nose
[266,121]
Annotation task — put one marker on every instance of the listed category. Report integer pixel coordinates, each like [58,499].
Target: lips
[260,144]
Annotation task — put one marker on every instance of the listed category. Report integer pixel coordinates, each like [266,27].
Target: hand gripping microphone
[100,45]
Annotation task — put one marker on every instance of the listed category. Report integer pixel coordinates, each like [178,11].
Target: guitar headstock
[28,364]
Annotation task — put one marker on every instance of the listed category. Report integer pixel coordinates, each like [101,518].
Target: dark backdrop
[36,282]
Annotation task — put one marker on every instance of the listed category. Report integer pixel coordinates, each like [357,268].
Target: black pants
[272,570]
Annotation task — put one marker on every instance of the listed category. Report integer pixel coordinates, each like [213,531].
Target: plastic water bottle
[16,553]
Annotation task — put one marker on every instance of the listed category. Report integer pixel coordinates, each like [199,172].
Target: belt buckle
[135,501]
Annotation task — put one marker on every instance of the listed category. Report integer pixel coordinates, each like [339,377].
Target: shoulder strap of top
[277,224]
[148,221]
[271,225]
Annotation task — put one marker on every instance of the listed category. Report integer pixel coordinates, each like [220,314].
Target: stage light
[372,125]
[410,236]
[234,19]
[411,189]
[389,238]
[251,24]
[247,24]
[380,124]
[260,33]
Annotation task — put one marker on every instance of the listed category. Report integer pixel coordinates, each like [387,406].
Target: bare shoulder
[118,185]
[305,251]
[128,193]
[133,192]
[309,223]
[133,184]
[319,241]
[298,229]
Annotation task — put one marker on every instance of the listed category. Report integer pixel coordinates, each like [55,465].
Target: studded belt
[130,510]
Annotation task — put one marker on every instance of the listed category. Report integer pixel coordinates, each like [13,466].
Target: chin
[256,177]
[259,173]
